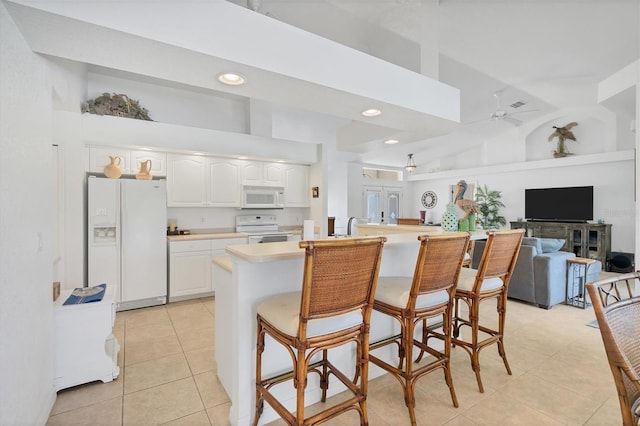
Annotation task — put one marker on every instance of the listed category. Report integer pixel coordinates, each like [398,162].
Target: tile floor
[168,376]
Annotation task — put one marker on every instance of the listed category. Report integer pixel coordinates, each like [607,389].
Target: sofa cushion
[550,245]
[533,241]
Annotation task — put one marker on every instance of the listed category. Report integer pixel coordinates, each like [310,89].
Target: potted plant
[489,205]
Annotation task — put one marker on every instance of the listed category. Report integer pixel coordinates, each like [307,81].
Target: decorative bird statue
[563,133]
[467,206]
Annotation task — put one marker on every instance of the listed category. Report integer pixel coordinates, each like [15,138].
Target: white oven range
[262,229]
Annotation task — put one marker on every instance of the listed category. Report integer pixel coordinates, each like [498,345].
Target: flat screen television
[570,204]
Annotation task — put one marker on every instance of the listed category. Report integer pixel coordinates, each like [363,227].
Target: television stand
[556,221]
[588,240]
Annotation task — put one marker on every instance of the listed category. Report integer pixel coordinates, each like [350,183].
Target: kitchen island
[253,272]
[372,229]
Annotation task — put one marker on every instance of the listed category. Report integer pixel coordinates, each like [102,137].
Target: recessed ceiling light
[391,141]
[243,158]
[231,79]
[197,153]
[371,112]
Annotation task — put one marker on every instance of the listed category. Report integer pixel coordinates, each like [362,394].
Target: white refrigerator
[126,239]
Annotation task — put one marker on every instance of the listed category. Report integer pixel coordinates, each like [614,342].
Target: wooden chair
[427,295]
[468,257]
[616,302]
[489,281]
[333,309]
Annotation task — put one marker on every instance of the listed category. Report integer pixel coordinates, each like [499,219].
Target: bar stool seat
[332,309]
[395,291]
[468,279]
[490,281]
[283,312]
[427,295]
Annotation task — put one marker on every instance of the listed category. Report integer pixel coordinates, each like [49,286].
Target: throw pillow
[550,245]
[533,241]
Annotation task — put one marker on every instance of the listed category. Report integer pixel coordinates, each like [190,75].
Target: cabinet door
[186,182]
[100,157]
[273,174]
[224,183]
[296,185]
[260,173]
[189,274]
[252,173]
[158,162]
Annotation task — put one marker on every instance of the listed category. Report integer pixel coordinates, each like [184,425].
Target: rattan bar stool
[468,256]
[412,300]
[489,281]
[616,302]
[333,309]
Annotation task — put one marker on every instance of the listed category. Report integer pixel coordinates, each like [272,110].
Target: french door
[381,204]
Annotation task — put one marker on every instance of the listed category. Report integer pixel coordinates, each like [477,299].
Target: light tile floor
[168,376]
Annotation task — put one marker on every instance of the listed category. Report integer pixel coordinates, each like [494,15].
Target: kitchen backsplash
[220,217]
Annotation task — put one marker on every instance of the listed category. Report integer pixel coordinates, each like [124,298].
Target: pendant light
[411,166]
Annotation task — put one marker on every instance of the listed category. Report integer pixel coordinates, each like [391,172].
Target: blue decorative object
[86,295]
[450,219]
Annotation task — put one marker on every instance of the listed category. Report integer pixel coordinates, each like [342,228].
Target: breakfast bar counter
[258,271]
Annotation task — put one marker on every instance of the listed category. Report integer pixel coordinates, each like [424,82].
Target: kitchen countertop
[212,236]
[386,229]
[218,233]
[258,253]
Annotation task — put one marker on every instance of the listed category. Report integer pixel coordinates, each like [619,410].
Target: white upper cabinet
[129,160]
[224,183]
[197,181]
[258,173]
[158,162]
[101,157]
[186,180]
[296,189]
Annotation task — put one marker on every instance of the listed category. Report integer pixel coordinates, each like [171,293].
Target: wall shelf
[578,160]
[104,130]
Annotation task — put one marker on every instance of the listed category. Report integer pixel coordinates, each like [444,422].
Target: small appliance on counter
[172,229]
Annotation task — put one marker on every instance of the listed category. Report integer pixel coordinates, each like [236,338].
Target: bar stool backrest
[339,277]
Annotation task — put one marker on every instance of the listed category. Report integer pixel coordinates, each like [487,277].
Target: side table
[85,348]
[577,271]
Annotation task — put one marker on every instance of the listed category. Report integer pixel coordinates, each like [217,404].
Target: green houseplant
[489,205]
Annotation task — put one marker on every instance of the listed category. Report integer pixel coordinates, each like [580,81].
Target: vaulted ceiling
[548,54]
[436,68]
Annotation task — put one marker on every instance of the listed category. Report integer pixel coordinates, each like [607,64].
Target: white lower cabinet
[190,267]
[85,348]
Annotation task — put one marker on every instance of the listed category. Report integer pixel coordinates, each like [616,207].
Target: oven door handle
[273,238]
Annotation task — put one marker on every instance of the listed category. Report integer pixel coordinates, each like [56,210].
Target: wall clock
[429,199]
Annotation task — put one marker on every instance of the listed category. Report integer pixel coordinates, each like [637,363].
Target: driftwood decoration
[117,104]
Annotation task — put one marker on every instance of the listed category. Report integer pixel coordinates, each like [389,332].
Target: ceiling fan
[500,114]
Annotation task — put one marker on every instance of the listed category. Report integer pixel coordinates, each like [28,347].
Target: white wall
[26,200]
[224,217]
[175,106]
[613,193]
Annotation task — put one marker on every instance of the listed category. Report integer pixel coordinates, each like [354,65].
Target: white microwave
[262,197]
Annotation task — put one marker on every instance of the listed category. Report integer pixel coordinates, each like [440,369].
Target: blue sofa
[540,275]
